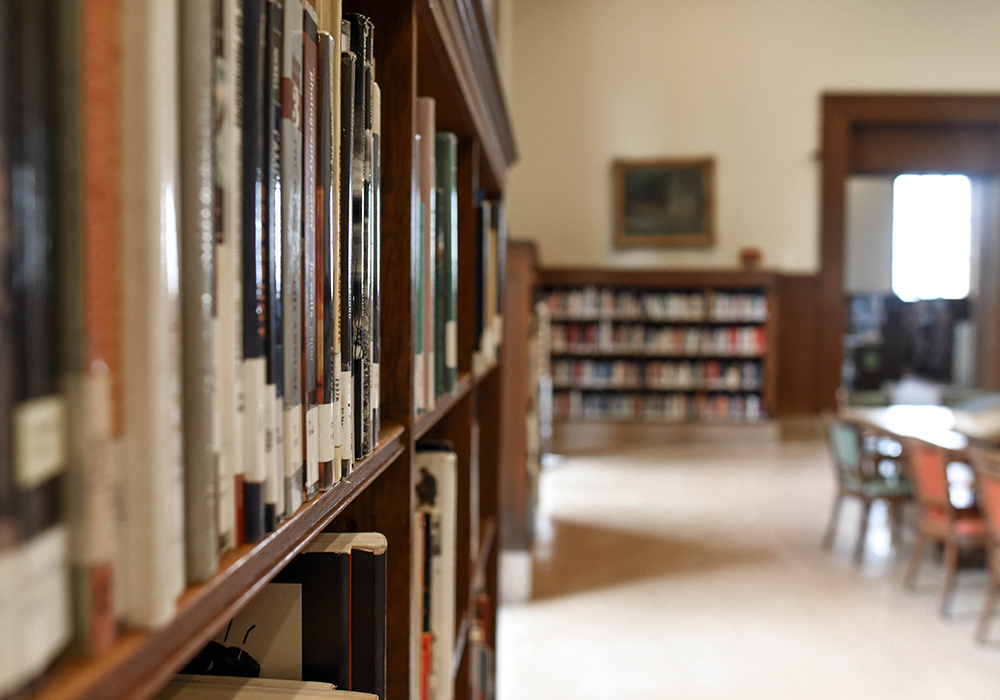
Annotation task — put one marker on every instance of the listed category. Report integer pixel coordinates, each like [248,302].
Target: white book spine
[312,446]
[255,443]
[152,476]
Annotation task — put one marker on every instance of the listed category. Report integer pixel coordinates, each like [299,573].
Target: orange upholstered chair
[988,486]
[940,521]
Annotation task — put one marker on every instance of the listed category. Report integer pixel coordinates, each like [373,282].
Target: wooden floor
[695,572]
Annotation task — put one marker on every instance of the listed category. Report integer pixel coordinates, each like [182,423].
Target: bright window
[931,236]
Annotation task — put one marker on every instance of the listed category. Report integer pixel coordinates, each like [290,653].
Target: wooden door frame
[843,115]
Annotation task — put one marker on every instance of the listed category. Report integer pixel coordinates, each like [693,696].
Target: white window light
[931,236]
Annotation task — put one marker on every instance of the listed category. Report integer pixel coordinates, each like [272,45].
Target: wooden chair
[858,476]
[987,466]
[939,521]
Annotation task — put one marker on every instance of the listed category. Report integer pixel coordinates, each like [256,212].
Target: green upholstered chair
[858,476]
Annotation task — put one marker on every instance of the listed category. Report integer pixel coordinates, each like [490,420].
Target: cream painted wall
[592,80]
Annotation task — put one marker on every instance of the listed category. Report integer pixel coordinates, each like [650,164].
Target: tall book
[257,430]
[369,247]
[343,609]
[274,489]
[376,273]
[225,223]
[87,227]
[37,575]
[500,224]
[229,255]
[152,478]
[292,124]
[198,292]
[327,254]
[311,274]
[345,268]
[417,275]
[428,205]
[436,467]
[446,164]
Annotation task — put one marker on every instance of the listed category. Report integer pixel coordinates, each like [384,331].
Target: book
[274,491]
[345,274]
[257,436]
[428,207]
[342,576]
[87,230]
[227,356]
[229,254]
[436,466]
[446,164]
[198,292]
[327,260]
[292,253]
[220,688]
[35,581]
[417,276]
[152,500]
[311,274]
[376,273]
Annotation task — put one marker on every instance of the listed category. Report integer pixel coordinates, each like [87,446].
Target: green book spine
[446,158]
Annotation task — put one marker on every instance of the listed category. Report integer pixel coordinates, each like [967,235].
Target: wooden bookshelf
[442,49]
[699,350]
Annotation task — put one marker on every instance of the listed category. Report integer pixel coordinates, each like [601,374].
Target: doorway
[885,135]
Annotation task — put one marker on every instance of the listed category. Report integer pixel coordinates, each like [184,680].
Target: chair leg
[989,606]
[859,547]
[831,529]
[950,571]
[916,559]
[895,523]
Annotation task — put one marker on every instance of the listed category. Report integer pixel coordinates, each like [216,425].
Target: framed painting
[664,202]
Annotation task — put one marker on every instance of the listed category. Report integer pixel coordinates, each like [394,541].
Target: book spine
[428,205]
[256,433]
[327,255]
[292,252]
[368,247]
[348,75]
[274,491]
[417,275]
[197,291]
[87,231]
[368,624]
[376,388]
[442,276]
[500,220]
[225,271]
[233,227]
[447,178]
[40,586]
[309,238]
[359,324]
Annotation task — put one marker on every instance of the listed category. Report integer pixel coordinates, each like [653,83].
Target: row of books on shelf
[320,624]
[685,376]
[435,237]
[189,335]
[676,408]
[611,338]
[609,302]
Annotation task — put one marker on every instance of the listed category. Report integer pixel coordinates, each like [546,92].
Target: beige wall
[592,80]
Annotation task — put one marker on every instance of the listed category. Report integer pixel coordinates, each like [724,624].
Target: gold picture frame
[664,202]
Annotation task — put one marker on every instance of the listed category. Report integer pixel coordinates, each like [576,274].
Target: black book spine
[368,273]
[482,239]
[359,341]
[348,73]
[254,277]
[376,266]
[8,353]
[272,232]
[368,622]
[329,65]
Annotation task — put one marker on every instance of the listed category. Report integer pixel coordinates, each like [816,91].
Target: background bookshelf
[679,347]
[443,50]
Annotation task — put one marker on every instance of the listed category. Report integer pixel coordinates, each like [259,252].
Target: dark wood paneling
[667,279]
[891,149]
[844,116]
[518,314]
[798,307]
